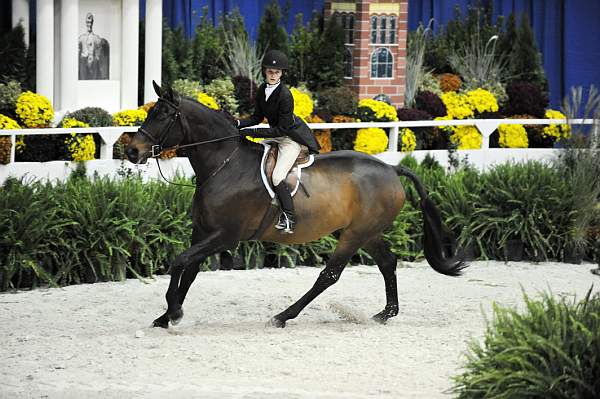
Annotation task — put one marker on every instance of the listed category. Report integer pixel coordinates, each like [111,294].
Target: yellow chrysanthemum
[34,110]
[457,105]
[482,100]
[130,117]
[71,122]
[81,147]
[383,111]
[562,131]
[8,123]
[5,141]
[513,136]
[409,140]
[372,140]
[466,137]
[207,100]
[303,105]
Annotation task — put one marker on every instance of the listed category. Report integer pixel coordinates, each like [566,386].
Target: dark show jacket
[279,111]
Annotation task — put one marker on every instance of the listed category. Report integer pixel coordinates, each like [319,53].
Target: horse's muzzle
[133,154]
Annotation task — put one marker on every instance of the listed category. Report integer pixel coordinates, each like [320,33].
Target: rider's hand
[249,132]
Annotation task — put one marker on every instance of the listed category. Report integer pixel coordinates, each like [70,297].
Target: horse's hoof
[386,314]
[275,322]
[176,316]
[380,318]
[162,322]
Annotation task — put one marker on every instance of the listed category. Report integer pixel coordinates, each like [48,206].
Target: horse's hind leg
[386,262]
[328,276]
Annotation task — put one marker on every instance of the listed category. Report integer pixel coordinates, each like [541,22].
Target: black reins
[157,149]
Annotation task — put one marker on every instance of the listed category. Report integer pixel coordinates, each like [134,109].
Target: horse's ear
[157,89]
[170,93]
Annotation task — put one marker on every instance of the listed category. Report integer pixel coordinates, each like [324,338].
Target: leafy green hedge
[551,350]
[102,229]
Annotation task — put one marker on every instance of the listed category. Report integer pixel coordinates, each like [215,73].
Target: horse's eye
[161,114]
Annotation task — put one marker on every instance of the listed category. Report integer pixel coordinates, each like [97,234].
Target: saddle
[293,178]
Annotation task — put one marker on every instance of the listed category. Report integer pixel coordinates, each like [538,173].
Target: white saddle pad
[267,146]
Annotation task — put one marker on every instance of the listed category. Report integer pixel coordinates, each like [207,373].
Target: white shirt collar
[270,89]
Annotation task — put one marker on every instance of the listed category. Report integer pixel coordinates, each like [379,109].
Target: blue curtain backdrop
[567,31]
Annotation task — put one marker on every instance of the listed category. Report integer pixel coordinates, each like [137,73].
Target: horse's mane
[222,119]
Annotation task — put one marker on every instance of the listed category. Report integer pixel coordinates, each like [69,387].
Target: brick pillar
[361,73]
[400,73]
[361,81]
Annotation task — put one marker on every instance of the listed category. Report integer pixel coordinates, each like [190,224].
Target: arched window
[337,17]
[392,29]
[348,63]
[346,21]
[382,29]
[374,29]
[350,38]
[382,63]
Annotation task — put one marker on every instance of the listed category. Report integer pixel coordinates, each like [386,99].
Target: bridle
[157,146]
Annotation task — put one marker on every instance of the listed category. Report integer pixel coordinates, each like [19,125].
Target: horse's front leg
[184,270]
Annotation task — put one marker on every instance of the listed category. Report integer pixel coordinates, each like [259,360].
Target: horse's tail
[433,234]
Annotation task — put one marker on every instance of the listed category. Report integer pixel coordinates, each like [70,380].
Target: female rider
[274,101]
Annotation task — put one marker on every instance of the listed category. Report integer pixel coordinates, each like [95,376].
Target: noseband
[158,149]
[157,146]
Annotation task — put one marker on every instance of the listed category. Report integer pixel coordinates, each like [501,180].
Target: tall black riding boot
[287,219]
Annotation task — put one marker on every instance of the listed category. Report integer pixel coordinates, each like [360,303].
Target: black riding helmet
[275,59]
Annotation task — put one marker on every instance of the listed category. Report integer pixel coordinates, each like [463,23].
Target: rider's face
[273,75]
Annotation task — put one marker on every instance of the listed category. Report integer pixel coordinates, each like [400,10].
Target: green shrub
[303,40]
[326,68]
[525,62]
[245,91]
[177,55]
[43,148]
[186,87]
[338,100]
[208,48]
[271,31]
[223,91]
[9,93]
[93,116]
[550,350]
[13,53]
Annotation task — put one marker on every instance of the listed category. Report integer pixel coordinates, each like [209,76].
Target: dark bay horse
[351,193]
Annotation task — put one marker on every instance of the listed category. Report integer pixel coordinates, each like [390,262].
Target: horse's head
[162,128]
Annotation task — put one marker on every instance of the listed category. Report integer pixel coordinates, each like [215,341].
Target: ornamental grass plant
[415,56]
[526,203]
[101,229]
[579,164]
[550,349]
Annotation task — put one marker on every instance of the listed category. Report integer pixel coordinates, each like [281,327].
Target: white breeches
[288,153]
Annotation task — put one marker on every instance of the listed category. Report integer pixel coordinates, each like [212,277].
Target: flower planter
[471,252]
[256,261]
[574,255]
[513,250]
[213,263]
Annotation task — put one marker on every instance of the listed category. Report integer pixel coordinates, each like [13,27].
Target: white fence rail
[481,158]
